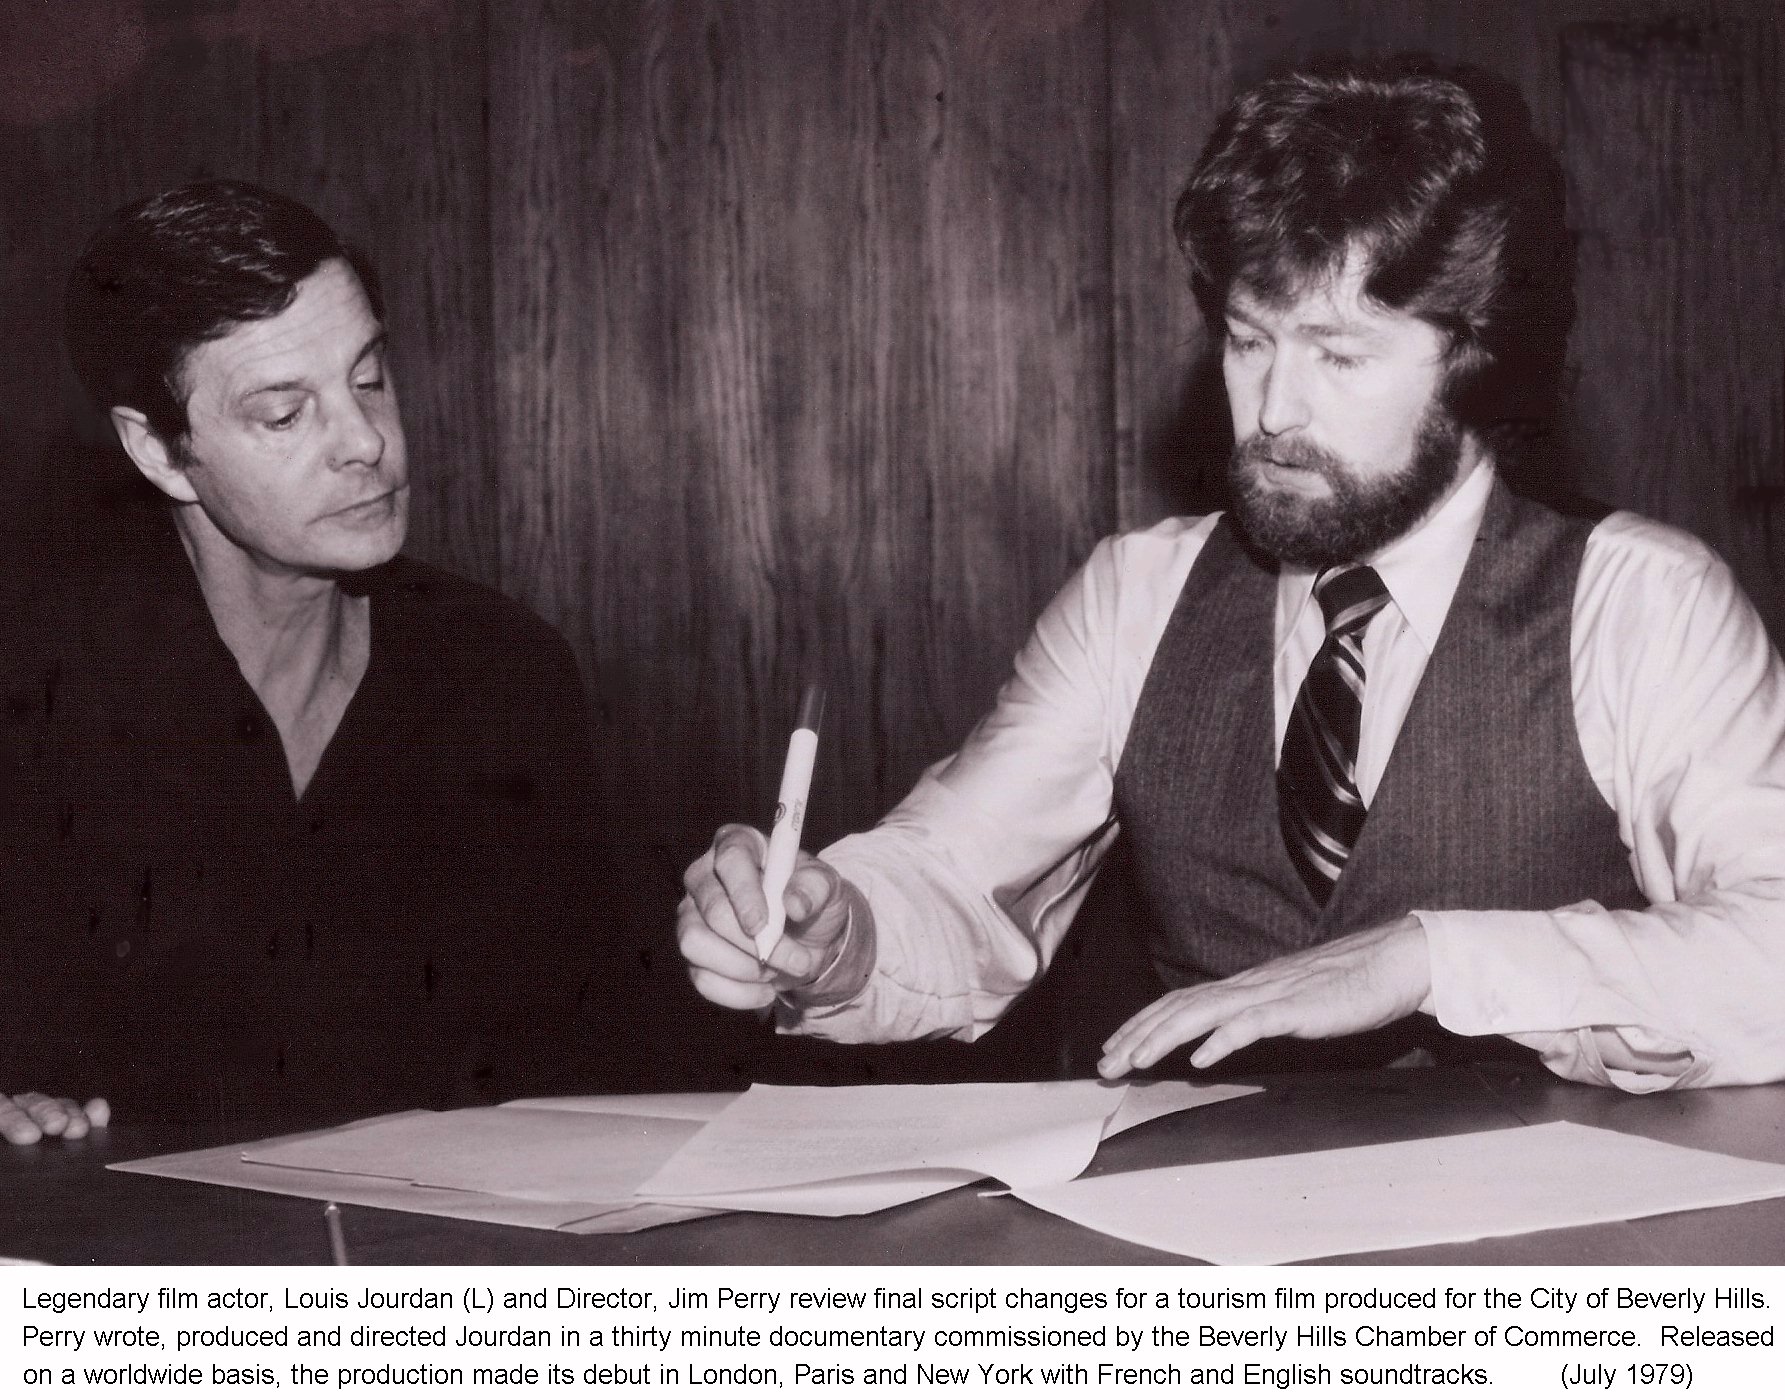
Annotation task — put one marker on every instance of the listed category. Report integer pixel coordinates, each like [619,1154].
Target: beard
[1357,516]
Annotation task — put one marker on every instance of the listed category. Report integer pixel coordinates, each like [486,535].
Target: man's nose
[359,442]
[1283,402]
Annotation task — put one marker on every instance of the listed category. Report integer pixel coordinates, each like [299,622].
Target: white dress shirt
[1679,699]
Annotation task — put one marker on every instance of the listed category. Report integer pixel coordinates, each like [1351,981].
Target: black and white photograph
[832,633]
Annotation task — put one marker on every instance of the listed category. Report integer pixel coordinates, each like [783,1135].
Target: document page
[602,1161]
[777,1137]
[528,1153]
[226,1166]
[1310,1205]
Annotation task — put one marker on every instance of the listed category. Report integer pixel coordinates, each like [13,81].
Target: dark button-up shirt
[191,938]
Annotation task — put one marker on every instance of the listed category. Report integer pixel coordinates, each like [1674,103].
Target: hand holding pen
[747,890]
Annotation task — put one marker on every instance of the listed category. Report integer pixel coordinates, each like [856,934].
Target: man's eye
[284,420]
[1338,361]
[371,386]
[1244,344]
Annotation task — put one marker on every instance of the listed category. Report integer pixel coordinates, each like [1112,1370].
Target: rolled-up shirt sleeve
[1680,702]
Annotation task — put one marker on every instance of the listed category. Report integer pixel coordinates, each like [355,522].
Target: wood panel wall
[757,340]
[801,344]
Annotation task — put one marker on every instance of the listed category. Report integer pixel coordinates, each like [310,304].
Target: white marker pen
[790,816]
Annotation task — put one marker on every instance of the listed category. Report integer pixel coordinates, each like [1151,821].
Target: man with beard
[1386,738]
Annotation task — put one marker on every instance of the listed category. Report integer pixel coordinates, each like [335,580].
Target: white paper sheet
[224,1166]
[1145,1102]
[853,1195]
[921,1108]
[576,1163]
[850,1150]
[700,1106]
[1310,1205]
[526,1153]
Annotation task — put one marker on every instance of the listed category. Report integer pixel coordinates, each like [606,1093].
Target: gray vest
[1486,802]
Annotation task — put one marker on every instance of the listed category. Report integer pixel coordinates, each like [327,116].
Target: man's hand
[29,1118]
[1356,983]
[725,906]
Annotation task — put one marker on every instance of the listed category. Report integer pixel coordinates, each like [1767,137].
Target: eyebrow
[1340,329]
[1330,330]
[372,346]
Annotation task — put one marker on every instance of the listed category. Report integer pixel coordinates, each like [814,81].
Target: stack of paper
[849,1151]
[490,1164]
[618,1163]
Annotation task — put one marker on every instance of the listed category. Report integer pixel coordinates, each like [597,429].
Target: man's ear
[151,454]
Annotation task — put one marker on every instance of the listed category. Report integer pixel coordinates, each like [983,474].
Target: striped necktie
[1318,803]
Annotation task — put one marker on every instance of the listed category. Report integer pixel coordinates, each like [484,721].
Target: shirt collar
[1420,570]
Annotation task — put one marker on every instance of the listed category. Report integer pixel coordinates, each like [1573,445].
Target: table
[60,1205]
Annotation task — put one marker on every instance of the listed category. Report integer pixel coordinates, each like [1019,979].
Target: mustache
[1288,452]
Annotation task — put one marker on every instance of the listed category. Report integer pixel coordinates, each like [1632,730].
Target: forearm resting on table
[1679,995]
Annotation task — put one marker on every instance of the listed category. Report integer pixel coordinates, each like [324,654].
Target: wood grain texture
[67,159]
[1673,140]
[803,367]
[1172,71]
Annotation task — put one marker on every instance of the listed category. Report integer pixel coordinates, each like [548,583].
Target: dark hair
[170,272]
[1435,176]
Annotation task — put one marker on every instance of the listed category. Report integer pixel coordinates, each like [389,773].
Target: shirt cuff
[1492,973]
[1531,976]
[851,964]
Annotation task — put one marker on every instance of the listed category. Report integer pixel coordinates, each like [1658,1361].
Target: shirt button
[123,948]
